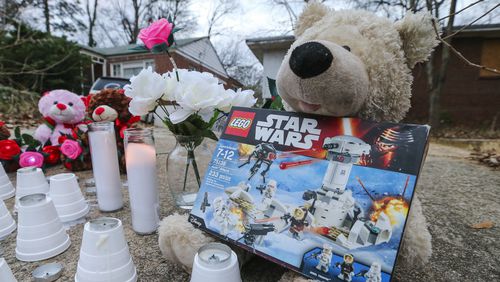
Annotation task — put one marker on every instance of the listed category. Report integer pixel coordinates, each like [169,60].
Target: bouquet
[192,101]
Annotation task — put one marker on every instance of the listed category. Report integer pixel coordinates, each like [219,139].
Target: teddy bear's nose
[61,107]
[99,111]
[310,59]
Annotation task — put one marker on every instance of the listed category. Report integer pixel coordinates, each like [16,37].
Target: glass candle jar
[105,166]
[140,158]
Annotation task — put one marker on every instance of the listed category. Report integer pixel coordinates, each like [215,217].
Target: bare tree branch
[461,10]
[462,57]
[471,23]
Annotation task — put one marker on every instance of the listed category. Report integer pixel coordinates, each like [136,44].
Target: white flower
[238,98]
[196,93]
[144,89]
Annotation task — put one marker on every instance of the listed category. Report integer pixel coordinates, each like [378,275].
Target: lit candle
[140,157]
[105,166]
[215,262]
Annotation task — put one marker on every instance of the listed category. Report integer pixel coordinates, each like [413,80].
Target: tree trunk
[437,77]
[135,31]
[92,19]
[46,14]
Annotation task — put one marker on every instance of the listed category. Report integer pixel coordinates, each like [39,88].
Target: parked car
[106,82]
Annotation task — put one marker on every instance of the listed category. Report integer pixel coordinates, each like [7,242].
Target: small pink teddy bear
[63,111]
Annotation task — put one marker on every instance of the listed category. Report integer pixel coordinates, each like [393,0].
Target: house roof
[128,49]
[197,49]
[264,44]
[479,30]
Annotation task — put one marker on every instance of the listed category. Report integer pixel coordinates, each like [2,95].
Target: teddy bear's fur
[369,77]
[63,111]
[179,241]
[370,72]
[112,105]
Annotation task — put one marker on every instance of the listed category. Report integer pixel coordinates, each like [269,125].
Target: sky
[258,18]
[248,19]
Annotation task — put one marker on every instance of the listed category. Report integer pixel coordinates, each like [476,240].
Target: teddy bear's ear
[418,36]
[312,13]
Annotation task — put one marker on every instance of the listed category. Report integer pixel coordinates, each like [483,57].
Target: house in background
[470,96]
[122,61]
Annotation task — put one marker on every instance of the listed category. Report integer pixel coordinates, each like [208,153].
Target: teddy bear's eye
[70,104]
[347,48]
[55,102]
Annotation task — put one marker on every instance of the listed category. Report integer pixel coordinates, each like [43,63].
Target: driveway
[454,191]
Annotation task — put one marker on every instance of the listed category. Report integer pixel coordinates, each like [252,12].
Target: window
[117,70]
[490,57]
[129,69]
[150,64]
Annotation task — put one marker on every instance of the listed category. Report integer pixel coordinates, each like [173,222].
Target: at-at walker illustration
[265,153]
[334,207]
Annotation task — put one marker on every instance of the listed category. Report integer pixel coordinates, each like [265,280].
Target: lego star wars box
[327,197]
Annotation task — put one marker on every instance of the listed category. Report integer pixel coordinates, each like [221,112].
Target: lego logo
[241,123]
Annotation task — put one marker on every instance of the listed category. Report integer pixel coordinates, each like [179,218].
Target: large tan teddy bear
[354,63]
[343,63]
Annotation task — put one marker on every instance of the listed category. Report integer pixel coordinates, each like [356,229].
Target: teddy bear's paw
[291,276]
[179,240]
[416,248]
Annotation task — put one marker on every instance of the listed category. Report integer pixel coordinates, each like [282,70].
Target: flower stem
[195,166]
[173,64]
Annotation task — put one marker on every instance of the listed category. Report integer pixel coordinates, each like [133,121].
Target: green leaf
[139,48]
[176,29]
[28,139]
[170,39]
[210,134]
[17,132]
[277,104]
[31,148]
[160,48]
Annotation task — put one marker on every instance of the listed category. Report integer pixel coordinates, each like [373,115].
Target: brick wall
[467,98]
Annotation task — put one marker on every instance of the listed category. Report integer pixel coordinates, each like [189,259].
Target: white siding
[202,51]
[271,62]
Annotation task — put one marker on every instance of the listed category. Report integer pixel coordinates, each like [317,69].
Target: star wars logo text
[288,131]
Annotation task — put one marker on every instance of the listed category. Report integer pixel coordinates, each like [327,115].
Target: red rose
[61,139]
[9,149]
[54,154]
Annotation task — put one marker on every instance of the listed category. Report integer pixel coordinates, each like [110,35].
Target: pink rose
[71,149]
[157,33]
[31,159]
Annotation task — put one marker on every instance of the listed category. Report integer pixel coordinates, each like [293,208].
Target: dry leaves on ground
[484,225]
[490,158]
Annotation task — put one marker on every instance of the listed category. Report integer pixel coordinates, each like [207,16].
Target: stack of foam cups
[30,180]
[67,197]
[6,189]
[40,233]
[5,272]
[7,223]
[104,254]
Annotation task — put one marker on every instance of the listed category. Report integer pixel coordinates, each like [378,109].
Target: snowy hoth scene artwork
[329,213]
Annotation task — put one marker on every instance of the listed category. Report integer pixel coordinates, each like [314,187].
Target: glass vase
[186,166]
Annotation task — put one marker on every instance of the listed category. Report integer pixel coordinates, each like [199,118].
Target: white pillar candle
[105,166]
[142,186]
